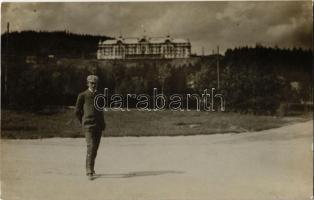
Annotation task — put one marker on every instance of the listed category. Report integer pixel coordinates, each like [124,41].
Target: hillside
[246,73]
[59,43]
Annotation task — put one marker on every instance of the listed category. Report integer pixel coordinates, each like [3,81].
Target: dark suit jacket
[86,112]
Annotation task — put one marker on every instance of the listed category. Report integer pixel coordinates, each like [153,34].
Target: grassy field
[25,125]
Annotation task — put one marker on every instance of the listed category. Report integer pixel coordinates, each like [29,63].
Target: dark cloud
[206,24]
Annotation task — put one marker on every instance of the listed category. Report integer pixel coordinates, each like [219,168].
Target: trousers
[92,137]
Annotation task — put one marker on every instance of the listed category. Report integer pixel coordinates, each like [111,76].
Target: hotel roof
[152,40]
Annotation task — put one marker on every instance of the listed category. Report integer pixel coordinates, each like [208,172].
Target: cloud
[295,31]
[206,24]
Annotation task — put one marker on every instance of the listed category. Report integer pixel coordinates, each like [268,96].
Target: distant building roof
[131,40]
[179,40]
[153,40]
[157,40]
[109,42]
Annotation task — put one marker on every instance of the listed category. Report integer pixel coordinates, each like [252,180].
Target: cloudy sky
[205,24]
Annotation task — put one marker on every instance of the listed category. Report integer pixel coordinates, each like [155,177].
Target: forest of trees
[61,44]
[252,79]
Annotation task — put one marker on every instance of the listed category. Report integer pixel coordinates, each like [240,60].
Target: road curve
[273,164]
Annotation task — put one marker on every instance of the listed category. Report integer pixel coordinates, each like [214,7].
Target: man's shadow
[136,174]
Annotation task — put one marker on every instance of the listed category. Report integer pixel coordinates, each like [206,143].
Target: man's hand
[104,126]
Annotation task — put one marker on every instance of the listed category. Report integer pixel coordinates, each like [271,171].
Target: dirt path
[274,164]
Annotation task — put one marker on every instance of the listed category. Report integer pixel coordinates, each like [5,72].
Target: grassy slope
[136,123]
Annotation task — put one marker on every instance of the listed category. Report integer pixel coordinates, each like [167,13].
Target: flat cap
[92,78]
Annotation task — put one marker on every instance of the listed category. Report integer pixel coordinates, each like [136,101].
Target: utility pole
[6,64]
[218,84]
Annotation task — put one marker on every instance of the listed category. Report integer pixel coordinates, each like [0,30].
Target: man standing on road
[92,121]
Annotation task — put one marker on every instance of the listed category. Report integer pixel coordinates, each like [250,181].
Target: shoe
[90,176]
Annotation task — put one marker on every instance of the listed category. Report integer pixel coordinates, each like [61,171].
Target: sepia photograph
[156,100]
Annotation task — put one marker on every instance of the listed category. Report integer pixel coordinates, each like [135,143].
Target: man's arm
[79,107]
[103,121]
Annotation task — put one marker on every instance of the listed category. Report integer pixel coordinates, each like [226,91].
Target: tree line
[252,79]
[61,44]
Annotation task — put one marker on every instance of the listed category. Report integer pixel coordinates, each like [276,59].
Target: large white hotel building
[144,48]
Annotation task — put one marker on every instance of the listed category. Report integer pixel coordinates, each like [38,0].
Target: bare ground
[273,164]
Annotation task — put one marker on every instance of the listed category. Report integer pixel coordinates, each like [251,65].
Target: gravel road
[274,164]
